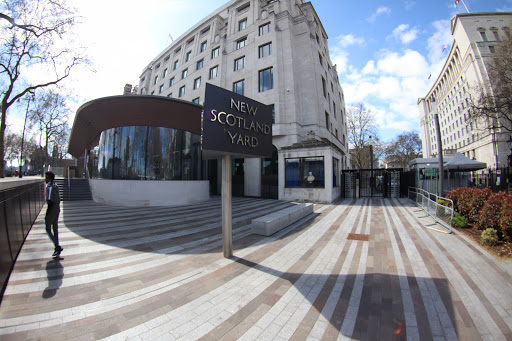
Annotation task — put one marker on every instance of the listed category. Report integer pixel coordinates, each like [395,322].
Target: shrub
[469,201]
[506,219]
[490,237]
[491,212]
[459,220]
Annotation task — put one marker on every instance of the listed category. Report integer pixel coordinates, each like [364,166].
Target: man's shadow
[54,273]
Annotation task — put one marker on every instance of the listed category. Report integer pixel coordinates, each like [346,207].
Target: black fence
[19,207]
[384,183]
[496,180]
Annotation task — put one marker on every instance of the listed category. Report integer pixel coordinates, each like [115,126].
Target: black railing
[19,208]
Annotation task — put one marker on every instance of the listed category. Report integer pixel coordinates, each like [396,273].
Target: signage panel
[235,125]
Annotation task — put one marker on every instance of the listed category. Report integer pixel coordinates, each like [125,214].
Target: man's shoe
[57,252]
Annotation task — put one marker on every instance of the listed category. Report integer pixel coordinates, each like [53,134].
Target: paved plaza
[366,269]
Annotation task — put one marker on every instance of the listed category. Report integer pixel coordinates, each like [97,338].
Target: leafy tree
[34,36]
[363,132]
[50,116]
[493,101]
[404,148]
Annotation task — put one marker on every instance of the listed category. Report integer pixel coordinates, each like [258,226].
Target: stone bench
[271,223]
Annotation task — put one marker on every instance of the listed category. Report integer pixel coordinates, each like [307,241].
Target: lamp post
[23,136]
[439,149]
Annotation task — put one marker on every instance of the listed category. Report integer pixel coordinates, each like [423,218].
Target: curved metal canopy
[135,110]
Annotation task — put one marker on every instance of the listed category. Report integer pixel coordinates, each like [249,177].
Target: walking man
[52,212]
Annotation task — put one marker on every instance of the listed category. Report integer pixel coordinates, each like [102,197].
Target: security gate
[383,183]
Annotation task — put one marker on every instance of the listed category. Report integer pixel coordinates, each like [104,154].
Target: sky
[384,50]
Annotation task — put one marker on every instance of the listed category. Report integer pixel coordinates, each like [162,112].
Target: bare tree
[492,102]
[362,132]
[404,148]
[50,116]
[36,38]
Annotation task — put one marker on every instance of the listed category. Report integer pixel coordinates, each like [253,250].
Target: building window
[320,58]
[184,73]
[327,120]
[188,56]
[335,172]
[161,89]
[273,113]
[239,87]
[215,52]
[304,172]
[196,100]
[264,29]
[242,24]
[182,91]
[323,87]
[152,93]
[165,73]
[197,83]
[171,82]
[169,95]
[176,64]
[483,35]
[265,50]
[241,43]
[266,79]
[203,47]
[491,49]
[206,30]
[156,80]
[244,7]
[214,72]
[199,64]
[239,63]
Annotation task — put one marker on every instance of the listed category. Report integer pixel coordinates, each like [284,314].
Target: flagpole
[465,6]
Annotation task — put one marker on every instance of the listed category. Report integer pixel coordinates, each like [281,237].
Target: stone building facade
[475,36]
[275,52]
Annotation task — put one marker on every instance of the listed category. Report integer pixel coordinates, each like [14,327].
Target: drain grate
[355,236]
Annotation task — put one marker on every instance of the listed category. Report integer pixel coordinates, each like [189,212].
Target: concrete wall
[135,193]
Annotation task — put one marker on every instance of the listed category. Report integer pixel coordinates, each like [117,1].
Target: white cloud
[441,36]
[409,4]
[410,63]
[380,11]
[404,34]
[349,39]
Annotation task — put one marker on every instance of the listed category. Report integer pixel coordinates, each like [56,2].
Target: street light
[439,148]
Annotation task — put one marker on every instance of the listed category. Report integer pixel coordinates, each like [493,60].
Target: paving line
[412,330]
[349,322]
[473,303]
[326,315]
[95,308]
[438,317]
[231,296]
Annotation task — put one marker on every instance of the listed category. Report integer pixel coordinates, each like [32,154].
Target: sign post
[233,125]
[227,227]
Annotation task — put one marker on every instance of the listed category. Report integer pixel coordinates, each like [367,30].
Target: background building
[475,37]
[275,52]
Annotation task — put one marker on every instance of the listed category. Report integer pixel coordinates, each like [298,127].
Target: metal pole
[372,182]
[227,228]
[440,155]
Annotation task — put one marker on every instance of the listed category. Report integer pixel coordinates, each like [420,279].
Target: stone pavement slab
[365,269]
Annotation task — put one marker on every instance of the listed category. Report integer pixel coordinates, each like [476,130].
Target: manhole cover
[355,236]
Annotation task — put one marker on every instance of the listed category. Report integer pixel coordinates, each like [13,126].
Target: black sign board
[235,125]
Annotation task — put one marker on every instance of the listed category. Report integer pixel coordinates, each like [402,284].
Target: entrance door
[269,178]
[238,178]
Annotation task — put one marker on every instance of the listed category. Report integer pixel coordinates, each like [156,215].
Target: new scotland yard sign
[235,125]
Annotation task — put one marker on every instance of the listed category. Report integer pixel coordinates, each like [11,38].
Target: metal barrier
[438,208]
[19,208]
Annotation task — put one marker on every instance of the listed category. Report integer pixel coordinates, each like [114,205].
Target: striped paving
[158,273]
